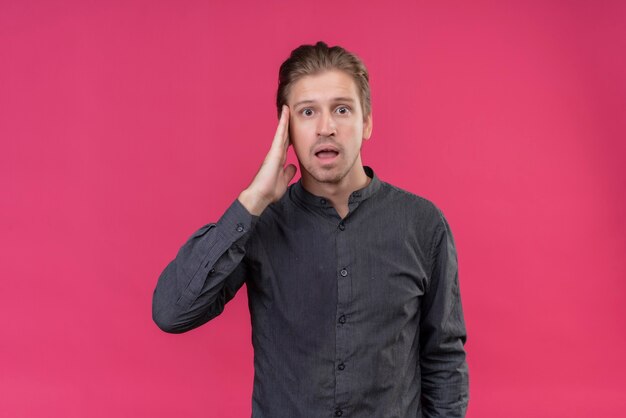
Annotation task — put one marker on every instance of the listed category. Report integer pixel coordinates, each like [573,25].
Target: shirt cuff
[236,222]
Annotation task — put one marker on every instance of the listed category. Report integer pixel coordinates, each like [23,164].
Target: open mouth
[326,154]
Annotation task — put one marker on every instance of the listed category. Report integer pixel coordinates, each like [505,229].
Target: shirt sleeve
[445,378]
[206,273]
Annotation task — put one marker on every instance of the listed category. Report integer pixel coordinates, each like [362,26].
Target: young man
[352,283]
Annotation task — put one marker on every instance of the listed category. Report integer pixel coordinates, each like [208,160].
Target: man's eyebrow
[303,102]
[336,99]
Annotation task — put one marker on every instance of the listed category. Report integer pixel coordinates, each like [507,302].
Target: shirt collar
[356,197]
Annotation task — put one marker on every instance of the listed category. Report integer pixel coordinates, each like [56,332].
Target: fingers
[281,138]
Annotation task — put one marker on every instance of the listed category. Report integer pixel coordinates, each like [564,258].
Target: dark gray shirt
[353,317]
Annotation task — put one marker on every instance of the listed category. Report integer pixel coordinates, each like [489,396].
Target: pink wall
[510,116]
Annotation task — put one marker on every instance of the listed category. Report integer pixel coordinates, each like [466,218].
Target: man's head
[327,92]
[314,59]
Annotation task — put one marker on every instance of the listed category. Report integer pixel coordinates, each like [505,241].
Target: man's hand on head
[272,179]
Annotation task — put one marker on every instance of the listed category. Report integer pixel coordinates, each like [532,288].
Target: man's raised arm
[209,269]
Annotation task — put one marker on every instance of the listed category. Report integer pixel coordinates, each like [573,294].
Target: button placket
[343,341]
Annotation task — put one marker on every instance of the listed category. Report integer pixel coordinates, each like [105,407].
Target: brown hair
[314,59]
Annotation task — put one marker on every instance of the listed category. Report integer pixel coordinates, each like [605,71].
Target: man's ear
[367,127]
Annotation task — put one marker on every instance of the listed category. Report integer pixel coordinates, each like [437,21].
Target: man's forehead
[333,85]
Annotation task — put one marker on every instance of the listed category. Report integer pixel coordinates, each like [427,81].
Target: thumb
[288,173]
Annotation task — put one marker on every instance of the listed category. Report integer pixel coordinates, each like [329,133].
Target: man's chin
[323,176]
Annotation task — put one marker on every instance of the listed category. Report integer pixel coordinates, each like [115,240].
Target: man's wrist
[252,202]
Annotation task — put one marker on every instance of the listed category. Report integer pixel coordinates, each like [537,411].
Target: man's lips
[324,155]
[326,152]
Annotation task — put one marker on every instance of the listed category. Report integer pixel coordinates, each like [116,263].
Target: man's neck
[339,193]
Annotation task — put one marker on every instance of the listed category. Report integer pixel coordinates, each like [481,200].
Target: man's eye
[343,110]
[307,112]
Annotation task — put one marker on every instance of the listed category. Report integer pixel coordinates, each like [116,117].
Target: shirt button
[338,413]
[343,272]
[342,226]
[341,366]
[212,271]
[239,228]
[323,201]
[342,319]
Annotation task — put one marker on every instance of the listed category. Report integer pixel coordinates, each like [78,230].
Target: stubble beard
[323,175]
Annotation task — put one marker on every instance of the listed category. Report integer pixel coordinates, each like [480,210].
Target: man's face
[326,126]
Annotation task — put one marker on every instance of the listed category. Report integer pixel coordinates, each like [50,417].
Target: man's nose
[326,125]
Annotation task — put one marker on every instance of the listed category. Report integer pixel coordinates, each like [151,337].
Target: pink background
[126,125]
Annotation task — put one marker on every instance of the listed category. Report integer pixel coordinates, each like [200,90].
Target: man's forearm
[445,384]
[205,274]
